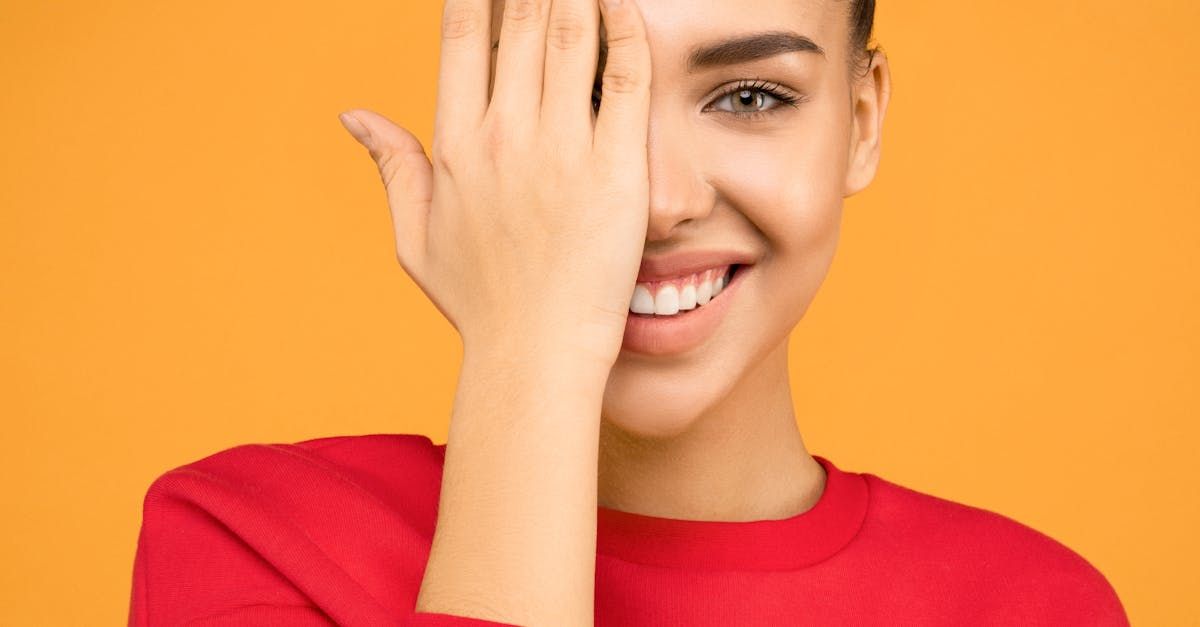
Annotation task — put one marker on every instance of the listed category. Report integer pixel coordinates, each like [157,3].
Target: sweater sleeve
[1043,582]
[219,549]
[190,569]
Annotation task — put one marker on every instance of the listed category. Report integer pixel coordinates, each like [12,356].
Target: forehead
[675,27]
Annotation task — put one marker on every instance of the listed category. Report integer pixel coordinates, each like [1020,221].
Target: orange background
[197,255]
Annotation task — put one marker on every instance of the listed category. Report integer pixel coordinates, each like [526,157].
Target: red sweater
[336,531]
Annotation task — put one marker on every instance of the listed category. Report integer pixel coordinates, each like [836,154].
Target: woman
[623,448]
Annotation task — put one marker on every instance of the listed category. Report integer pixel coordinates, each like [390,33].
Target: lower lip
[667,335]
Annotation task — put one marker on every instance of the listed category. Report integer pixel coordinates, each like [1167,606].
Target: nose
[678,190]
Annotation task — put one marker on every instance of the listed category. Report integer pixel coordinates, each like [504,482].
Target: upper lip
[688,262]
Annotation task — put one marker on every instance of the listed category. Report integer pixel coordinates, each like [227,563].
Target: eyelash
[774,90]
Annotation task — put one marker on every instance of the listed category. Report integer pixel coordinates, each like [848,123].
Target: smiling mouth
[673,301]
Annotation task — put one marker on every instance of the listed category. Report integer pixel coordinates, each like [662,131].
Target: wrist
[562,360]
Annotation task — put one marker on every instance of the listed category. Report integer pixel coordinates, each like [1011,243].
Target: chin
[657,404]
[662,399]
[651,424]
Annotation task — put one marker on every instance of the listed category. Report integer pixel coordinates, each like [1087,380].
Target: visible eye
[747,97]
[753,98]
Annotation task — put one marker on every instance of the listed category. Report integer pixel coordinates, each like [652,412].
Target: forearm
[516,531]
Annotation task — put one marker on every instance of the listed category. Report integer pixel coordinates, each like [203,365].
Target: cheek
[787,183]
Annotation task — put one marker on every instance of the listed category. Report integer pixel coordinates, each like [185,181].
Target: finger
[520,59]
[572,42]
[407,177]
[621,125]
[464,68]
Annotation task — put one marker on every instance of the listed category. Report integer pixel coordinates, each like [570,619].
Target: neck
[742,460]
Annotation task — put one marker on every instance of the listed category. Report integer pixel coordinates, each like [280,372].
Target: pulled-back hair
[862,23]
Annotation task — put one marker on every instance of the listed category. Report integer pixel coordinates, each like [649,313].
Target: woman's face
[745,171]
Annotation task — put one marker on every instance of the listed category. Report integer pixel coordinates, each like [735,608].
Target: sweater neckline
[765,545]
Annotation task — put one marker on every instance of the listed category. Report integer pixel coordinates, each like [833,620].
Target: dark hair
[862,23]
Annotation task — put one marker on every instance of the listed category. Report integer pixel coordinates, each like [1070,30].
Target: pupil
[750,98]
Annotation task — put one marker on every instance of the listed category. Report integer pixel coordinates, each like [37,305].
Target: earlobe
[870,96]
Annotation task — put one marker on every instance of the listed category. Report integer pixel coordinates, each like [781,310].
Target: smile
[669,297]
[674,316]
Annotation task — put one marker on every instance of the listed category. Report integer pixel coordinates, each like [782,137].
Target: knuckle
[441,156]
[389,166]
[565,32]
[496,138]
[620,36]
[461,20]
[523,14]
[622,80]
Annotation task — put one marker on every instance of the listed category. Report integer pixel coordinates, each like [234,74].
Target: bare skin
[528,187]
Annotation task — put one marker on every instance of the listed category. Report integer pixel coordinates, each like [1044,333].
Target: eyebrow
[739,49]
[744,48]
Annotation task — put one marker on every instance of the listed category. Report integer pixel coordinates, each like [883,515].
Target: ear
[869,95]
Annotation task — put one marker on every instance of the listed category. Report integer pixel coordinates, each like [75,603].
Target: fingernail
[612,3]
[355,127]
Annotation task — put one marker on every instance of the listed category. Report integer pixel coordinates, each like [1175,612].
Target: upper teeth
[665,298]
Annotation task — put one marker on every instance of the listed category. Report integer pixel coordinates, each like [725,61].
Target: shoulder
[400,473]
[336,448]
[1024,573]
[327,523]
[376,459]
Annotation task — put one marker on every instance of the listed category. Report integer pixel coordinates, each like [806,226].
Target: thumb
[407,178]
